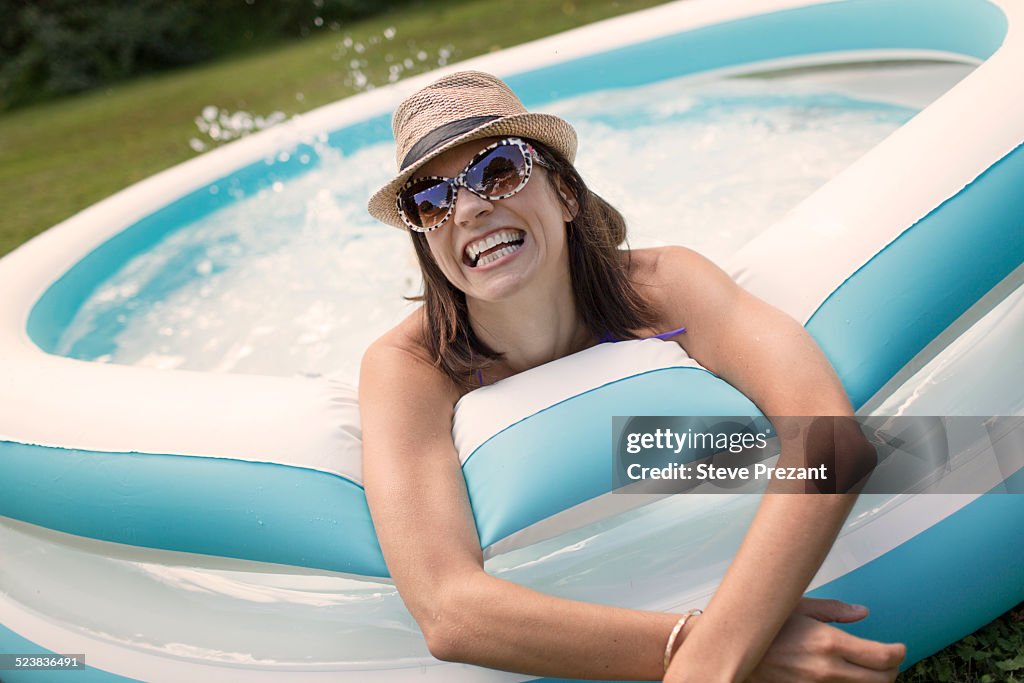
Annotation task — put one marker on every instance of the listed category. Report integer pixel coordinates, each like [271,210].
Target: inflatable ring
[129,473]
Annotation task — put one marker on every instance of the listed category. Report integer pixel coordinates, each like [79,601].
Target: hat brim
[545,128]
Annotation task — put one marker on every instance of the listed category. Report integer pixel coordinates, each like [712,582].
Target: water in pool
[298,279]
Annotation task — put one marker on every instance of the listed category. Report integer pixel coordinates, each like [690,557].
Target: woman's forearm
[495,623]
[788,540]
[784,548]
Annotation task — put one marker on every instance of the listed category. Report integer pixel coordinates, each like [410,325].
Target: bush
[56,47]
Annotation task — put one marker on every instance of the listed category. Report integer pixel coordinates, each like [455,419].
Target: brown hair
[604,295]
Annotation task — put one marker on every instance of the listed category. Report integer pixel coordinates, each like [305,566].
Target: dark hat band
[442,134]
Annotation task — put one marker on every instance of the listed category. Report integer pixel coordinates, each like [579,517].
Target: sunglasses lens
[426,202]
[499,172]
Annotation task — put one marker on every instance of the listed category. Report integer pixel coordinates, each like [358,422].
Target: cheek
[433,245]
[440,252]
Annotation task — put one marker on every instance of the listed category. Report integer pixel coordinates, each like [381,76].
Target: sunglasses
[498,171]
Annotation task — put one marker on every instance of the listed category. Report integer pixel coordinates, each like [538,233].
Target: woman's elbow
[838,445]
[447,626]
[443,644]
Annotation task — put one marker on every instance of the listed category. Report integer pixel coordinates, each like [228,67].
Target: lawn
[59,157]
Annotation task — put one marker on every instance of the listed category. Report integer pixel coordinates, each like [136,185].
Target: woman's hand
[807,649]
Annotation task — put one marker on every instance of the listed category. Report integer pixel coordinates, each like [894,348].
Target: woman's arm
[420,510]
[770,358]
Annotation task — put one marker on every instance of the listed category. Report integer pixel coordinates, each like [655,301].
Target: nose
[469,207]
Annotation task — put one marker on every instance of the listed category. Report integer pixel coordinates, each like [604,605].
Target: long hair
[605,298]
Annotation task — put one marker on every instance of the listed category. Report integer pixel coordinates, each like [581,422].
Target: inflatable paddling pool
[198,526]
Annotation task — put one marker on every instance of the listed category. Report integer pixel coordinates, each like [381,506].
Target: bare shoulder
[677,281]
[658,266]
[399,362]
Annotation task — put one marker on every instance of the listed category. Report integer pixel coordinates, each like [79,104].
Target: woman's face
[527,229]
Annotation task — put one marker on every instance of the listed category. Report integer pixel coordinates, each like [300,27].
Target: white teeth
[497,255]
[475,248]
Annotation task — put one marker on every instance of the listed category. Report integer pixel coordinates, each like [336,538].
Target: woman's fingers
[869,654]
[831,610]
[845,672]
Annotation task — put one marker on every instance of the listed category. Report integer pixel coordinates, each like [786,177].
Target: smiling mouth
[493,248]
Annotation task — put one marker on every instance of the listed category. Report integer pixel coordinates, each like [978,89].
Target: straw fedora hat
[457,108]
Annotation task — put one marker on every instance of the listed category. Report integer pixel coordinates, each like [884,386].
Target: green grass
[60,157]
[992,654]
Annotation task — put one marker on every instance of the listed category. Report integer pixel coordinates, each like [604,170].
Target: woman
[521,267]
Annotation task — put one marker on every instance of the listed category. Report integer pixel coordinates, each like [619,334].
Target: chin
[498,287]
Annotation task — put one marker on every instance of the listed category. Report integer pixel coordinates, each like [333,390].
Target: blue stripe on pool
[964,27]
[517,477]
[905,296]
[213,506]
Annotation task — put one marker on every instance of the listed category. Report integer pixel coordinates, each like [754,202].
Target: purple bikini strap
[670,333]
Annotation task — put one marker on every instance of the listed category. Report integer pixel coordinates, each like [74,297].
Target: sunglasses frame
[529,155]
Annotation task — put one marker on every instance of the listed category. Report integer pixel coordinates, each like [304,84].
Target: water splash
[217,126]
[361,55]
